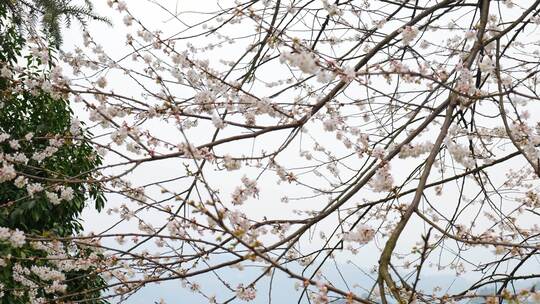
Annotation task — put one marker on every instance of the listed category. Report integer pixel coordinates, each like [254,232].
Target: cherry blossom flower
[246,294]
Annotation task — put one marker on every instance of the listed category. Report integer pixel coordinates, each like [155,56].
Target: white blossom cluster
[362,234]
[408,34]
[241,194]
[382,181]
[306,62]
[246,294]
[415,150]
[15,237]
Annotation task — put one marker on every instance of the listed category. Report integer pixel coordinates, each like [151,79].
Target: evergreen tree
[50,15]
[39,143]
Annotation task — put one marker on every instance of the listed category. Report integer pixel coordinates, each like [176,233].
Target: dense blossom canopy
[350,150]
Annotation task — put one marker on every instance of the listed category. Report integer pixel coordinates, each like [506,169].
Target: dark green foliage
[45,116]
[50,14]
[81,284]
[10,40]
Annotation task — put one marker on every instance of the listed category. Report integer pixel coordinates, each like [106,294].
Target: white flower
[52,197]
[3,137]
[382,181]
[67,194]
[101,82]
[350,74]
[246,293]
[75,126]
[240,195]
[56,287]
[17,238]
[33,188]
[176,229]
[486,65]
[121,6]
[217,121]
[7,173]
[499,250]
[469,35]
[134,148]
[29,136]
[4,233]
[56,142]
[460,153]
[14,144]
[18,158]
[378,153]
[20,181]
[128,20]
[119,136]
[47,274]
[324,76]
[333,10]
[408,34]
[56,74]
[415,150]
[5,72]
[330,124]
[305,61]
[230,163]
[363,235]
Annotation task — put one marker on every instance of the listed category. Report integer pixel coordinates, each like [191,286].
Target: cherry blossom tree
[352,150]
